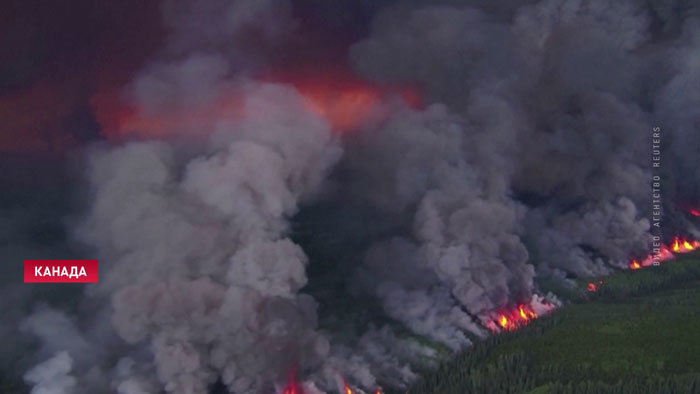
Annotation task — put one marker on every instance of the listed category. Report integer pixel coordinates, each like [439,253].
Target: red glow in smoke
[344,100]
[293,386]
[694,212]
[119,120]
[341,97]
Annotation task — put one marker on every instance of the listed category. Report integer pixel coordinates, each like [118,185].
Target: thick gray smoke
[199,266]
[539,163]
[196,264]
[465,229]
[530,159]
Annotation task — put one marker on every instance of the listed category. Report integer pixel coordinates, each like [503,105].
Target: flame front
[513,319]
[679,245]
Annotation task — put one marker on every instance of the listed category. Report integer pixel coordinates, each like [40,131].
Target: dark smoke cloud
[551,110]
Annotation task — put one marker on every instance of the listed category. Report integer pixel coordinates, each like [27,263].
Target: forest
[636,333]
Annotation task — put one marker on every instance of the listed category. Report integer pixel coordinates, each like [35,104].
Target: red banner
[60,271]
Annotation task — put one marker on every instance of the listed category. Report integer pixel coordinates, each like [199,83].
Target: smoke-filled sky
[53,60]
[314,194]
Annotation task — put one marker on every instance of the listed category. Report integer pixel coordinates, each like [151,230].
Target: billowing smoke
[219,291]
[529,158]
[464,231]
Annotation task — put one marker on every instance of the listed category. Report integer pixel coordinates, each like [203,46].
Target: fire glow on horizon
[344,101]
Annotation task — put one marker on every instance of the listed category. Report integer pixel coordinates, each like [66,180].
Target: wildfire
[634,265]
[345,101]
[347,389]
[513,319]
[679,245]
[593,286]
[293,386]
[694,212]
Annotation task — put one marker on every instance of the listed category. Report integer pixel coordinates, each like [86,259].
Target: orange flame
[347,390]
[675,246]
[679,245]
[513,319]
[634,265]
